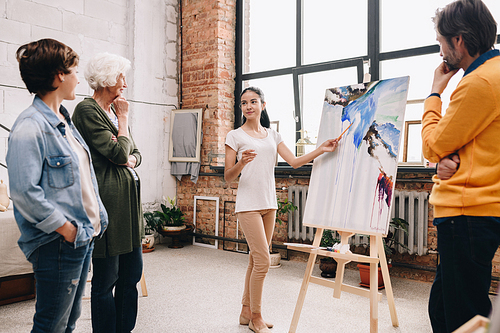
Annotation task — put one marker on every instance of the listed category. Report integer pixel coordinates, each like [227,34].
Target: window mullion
[374,38]
[297,91]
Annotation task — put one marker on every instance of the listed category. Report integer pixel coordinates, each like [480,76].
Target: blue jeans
[116,313]
[60,273]
[466,246]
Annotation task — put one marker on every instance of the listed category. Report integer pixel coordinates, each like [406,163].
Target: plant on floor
[328,265]
[390,241]
[284,207]
[168,216]
[151,224]
[150,229]
[328,239]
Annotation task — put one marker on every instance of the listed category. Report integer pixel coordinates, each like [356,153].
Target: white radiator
[409,205]
[412,206]
[298,194]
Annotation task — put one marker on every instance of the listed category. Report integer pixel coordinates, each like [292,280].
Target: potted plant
[284,207]
[390,242]
[169,222]
[150,230]
[170,218]
[328,265]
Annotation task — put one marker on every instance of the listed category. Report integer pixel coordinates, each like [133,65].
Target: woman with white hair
[117,259]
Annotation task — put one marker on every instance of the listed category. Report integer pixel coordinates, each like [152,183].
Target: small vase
[148,243]
[275,259]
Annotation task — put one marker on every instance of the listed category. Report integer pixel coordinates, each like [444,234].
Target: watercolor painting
[351,189]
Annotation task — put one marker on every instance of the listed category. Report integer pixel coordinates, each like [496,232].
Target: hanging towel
[184,144]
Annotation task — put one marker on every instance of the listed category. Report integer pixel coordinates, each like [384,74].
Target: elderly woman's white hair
[104,69]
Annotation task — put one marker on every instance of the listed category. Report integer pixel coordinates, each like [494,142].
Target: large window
[268,31]
[333,30]
[295,49]
[278,91]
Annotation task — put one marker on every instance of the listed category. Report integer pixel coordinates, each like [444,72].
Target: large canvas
[351,189]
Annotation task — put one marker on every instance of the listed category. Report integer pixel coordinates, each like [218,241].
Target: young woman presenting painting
[255,145]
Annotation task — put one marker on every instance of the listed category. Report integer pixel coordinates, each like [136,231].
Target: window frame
[373,58]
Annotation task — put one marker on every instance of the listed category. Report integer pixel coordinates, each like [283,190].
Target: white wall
[144,31]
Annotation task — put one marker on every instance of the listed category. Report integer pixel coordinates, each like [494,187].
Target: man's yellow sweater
[471,128]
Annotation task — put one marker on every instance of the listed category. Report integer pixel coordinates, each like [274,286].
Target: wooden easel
[377,255]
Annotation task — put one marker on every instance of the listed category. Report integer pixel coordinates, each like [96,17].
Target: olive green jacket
[117,187]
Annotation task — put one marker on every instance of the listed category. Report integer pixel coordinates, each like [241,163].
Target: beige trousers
[258,227]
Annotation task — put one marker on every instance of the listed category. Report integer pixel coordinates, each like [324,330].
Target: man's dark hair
[471,19]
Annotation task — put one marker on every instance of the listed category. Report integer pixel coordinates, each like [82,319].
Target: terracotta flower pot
[364,274]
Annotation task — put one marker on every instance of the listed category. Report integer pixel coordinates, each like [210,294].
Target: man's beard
[451,65]
[453,58]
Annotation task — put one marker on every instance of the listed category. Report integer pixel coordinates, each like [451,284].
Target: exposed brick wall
[208,70]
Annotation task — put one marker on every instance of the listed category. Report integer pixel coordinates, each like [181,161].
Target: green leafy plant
[328,240]
[390,241]
[152,223]
[168,216]
[284,207]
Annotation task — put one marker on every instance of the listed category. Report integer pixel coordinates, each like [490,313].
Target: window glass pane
[413,113]
[494,7]
[399,31]
[278,92]
[420,69]
[421,72]
[414,149]
[334,30]
[314,87]
[268,35]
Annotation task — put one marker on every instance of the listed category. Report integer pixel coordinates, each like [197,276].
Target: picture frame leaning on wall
[185,135]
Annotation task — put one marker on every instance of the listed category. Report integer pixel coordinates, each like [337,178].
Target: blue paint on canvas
[351,189]
[390,134]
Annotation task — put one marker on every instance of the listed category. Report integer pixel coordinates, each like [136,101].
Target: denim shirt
[44,179]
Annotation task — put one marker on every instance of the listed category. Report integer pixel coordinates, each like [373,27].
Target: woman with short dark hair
[52,185]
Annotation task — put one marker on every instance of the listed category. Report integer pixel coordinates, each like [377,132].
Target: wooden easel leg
[373,286]
[339,276]
[143,285]
[387,282]
[305,283]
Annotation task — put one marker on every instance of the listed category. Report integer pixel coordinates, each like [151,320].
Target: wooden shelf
[335,255]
